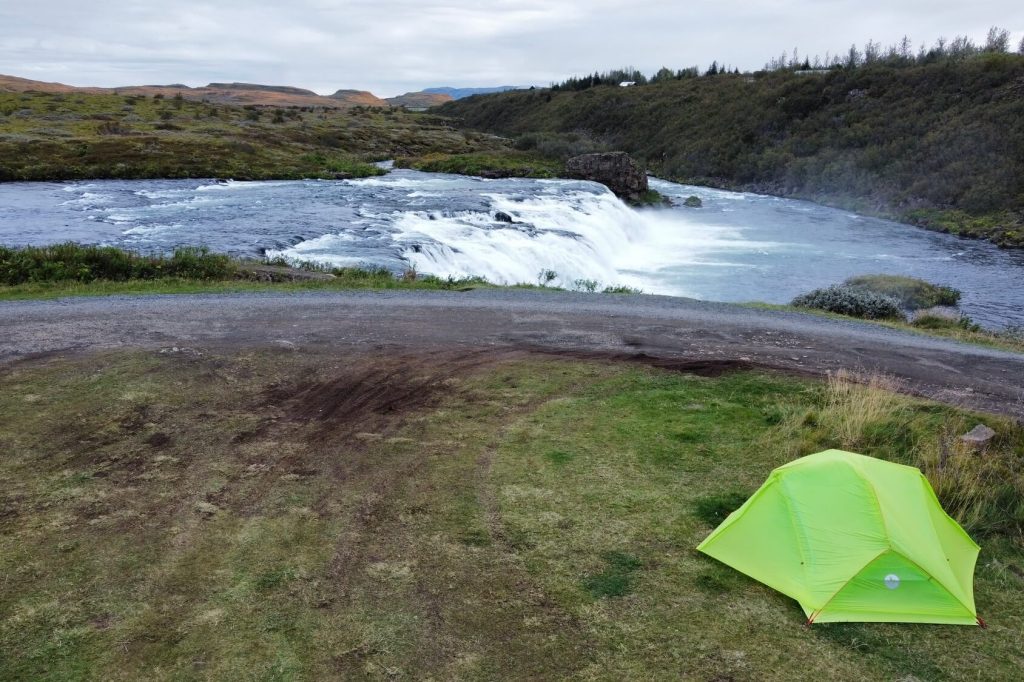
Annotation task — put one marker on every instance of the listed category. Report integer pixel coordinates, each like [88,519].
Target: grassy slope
[68,136]
[530,519]
[941,145]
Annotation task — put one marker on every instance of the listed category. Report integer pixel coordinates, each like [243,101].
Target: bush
[852,301]
[912,294]
[941,322]
[561,146]
[75,262]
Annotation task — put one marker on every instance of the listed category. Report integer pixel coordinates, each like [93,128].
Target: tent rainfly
[853,538]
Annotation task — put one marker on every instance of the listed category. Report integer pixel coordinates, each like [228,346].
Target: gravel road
[653,329]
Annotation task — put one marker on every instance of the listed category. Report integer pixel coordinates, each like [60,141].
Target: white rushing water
[737,247]
[580,231]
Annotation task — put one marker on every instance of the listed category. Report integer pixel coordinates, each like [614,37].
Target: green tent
[853,538]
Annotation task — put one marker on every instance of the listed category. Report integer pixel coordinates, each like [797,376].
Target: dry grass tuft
[855,402]
[983,490]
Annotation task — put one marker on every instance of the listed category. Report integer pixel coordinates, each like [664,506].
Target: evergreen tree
[663,74]
[853,59]
[998,40]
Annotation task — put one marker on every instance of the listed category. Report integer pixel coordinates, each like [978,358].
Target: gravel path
[655,328]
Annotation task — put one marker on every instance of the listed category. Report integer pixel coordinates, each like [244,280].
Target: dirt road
[657,330]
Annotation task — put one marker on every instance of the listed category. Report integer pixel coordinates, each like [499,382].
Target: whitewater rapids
[738,247]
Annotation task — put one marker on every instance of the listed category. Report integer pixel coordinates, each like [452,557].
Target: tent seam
[797,529]
[850,580]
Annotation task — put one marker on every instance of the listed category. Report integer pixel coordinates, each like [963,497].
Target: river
[737,247]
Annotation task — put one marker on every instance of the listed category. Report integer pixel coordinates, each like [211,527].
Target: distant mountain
[419,100]
[283,89]
[220,93]
[358,98]
[459,93]
[15,84]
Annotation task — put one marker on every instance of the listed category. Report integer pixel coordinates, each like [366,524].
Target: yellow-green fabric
[853,538]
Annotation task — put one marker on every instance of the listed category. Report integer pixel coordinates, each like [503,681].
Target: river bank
[737,247]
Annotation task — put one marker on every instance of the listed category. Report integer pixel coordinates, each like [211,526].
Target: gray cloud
[392,46]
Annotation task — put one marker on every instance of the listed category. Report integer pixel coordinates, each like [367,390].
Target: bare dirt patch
[373,394]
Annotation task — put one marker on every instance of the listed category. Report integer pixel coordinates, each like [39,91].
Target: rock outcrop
[616,170]
[978,437]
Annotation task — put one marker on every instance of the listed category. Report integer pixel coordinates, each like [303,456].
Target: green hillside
[62,136]
[934,141]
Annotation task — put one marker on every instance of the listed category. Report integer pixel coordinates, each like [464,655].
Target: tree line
[901,53]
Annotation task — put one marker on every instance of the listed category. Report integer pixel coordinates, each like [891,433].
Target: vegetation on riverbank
[85,136]
[909,292]
[903,303]
[72,262]
[72,269]
[518,517]
[1011,339]
[880,297]
[494,164]
[938,142]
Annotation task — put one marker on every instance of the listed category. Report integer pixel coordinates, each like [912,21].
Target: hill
[419,100]
[220,93]
[62,135]
[939,143]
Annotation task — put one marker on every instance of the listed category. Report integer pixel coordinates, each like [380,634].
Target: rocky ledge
[616,170]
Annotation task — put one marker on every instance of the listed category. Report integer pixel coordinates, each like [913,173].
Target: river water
[737,247]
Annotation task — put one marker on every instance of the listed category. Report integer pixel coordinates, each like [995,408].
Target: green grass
[351,281]
[71,262]
[179,515]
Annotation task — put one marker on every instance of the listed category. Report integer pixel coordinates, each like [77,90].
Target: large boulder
[616,170]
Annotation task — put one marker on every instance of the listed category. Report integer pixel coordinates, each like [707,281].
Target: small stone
[286,344]
[979,436]
[503,217]
[206,509]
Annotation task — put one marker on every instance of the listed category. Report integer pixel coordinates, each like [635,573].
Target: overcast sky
[393,46]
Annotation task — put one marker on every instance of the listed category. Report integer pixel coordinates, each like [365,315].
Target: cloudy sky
[394,46]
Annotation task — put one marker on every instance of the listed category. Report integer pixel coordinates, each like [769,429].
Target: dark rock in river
[503,217]
[693,201]
[616,170]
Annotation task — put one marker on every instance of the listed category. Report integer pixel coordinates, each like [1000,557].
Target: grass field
[273,515]
[74,136]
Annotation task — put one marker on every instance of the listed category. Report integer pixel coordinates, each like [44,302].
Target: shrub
[941,322]
[852,301]
[912,293]
[651,197]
